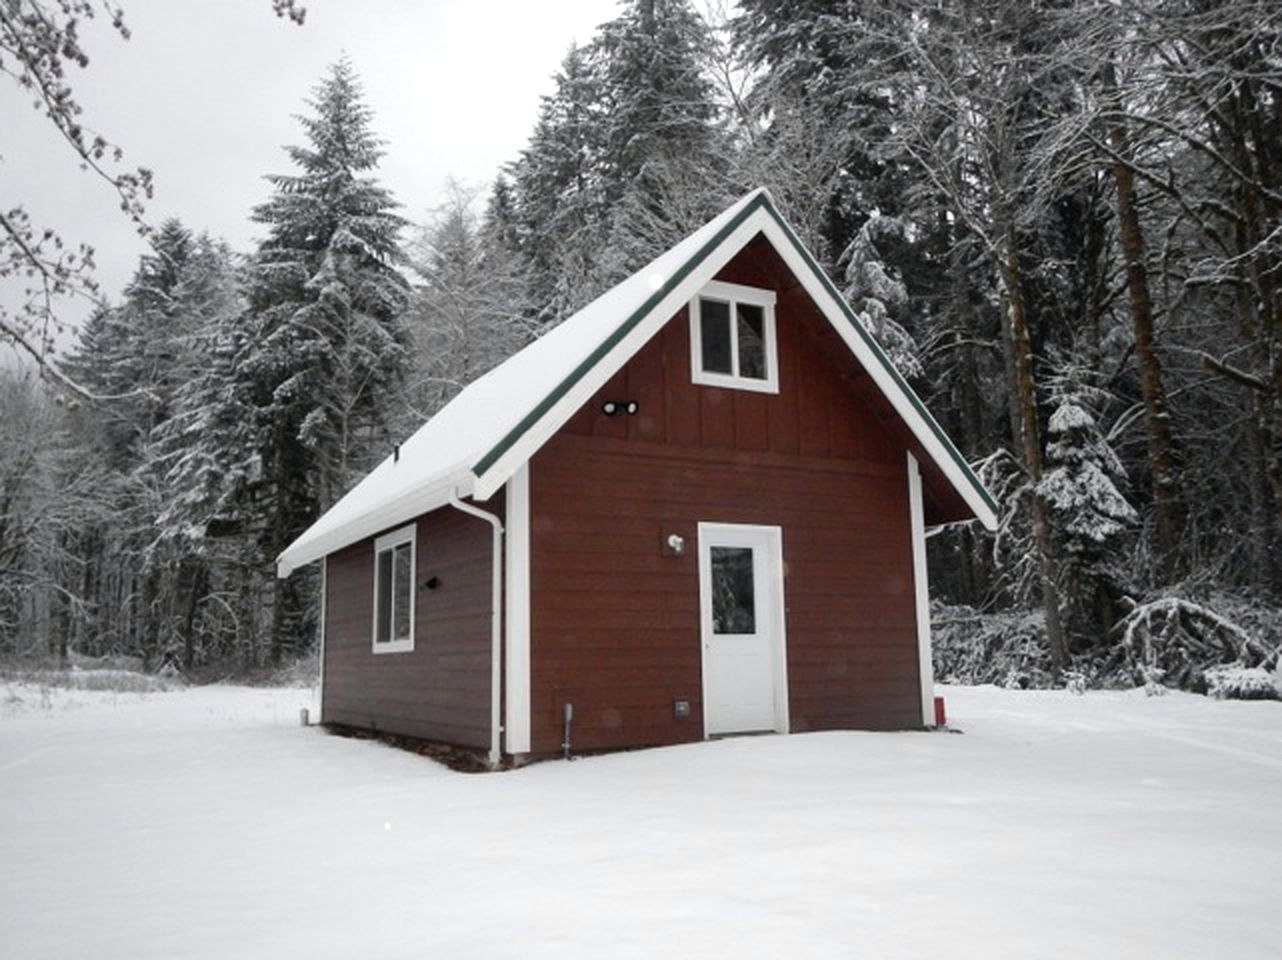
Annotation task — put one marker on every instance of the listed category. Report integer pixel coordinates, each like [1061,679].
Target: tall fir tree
[325,347]
[468,311]
[627,156]
[138,356]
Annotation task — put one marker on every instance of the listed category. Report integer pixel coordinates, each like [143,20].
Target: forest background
[1063,220]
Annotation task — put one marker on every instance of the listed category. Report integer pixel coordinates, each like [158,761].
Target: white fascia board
[488,483]
[410,504]
[836,314]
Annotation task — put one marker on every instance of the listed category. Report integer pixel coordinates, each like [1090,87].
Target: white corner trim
[324,587]
[921,593]
[407,534]
[517,515]
[733,294]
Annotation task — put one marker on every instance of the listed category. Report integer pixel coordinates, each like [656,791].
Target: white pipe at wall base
[496,620]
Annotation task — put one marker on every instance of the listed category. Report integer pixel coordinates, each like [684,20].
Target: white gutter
[496,619]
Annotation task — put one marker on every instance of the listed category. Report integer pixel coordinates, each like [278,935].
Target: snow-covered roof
[482,436]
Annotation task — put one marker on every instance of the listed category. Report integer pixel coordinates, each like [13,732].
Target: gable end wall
[615,616]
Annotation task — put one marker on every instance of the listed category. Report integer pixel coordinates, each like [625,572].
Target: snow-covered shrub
[1007,648]
[1175,641]
[1082,487]
[1261,620]
[109,661]
[117,681]
[1236,682]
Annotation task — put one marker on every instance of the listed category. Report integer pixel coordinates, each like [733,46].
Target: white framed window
[394,571]
[732,338]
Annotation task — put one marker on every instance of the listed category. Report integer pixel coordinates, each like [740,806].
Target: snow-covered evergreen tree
[1081,480]
[325,346]
[878,295]
[140,356]
[559,199]
[627,156]
[1081,486]
[469,310]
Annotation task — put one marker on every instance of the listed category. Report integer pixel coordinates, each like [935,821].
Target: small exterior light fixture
[611,407]
[676,543]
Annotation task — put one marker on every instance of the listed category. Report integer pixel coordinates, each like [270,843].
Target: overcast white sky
[206,91]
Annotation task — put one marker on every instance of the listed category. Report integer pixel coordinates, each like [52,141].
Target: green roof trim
[760,201]
[577,374]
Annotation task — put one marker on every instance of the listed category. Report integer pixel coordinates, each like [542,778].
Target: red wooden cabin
[697,507]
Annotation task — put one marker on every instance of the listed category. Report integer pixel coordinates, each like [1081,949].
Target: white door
[741,608]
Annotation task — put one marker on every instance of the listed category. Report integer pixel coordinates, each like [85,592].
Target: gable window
[394,556]
[732,338]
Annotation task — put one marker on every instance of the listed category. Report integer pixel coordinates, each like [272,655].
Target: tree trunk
[1263,490]
[976,574]
[1025,395]
[646,10]
[150,625]
[197,578]
[1167,500]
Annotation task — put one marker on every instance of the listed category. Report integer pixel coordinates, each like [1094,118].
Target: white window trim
[734,294]
[388,541]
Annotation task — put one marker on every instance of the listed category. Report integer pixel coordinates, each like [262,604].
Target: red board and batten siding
[441,689]
[615,617]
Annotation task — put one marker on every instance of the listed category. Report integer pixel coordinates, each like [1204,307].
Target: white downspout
[496,620]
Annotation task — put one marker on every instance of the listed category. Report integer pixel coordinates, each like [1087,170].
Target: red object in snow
[941,718]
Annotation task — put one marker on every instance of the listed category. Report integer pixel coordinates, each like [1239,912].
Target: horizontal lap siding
[441,689]
[615,616]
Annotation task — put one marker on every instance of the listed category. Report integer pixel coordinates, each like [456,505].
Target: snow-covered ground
[207,823]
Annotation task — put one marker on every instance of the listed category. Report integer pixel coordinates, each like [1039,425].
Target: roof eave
[410,503]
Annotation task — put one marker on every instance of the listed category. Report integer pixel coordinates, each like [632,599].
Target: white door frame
[770,538]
